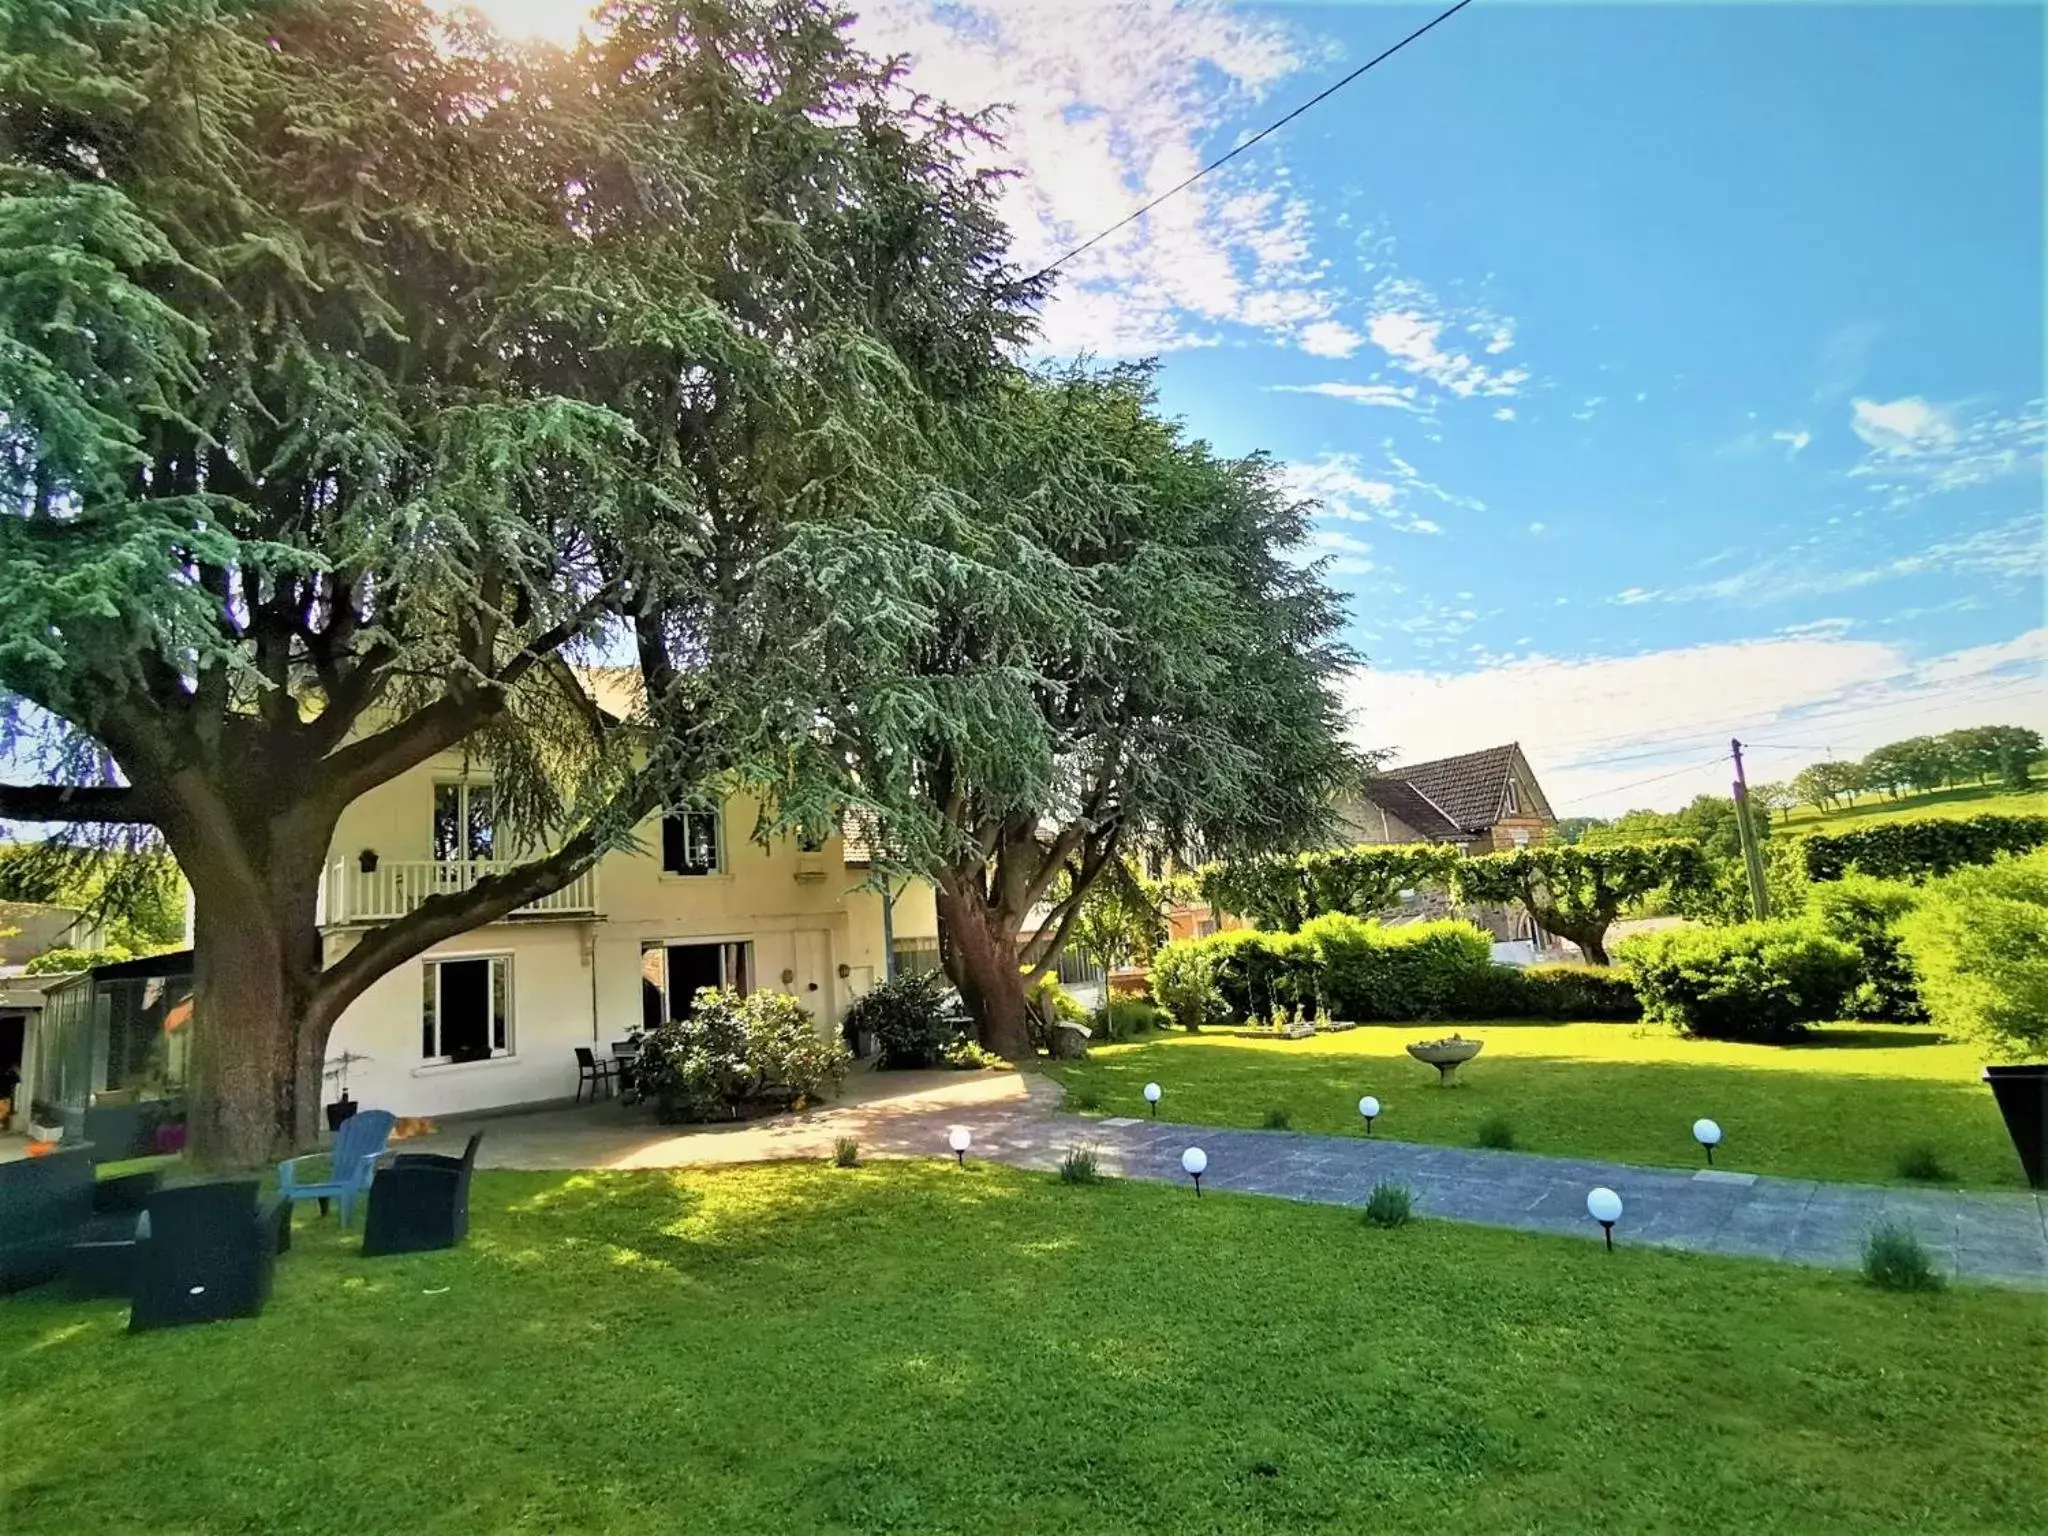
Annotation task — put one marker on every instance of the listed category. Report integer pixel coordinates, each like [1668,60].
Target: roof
[1397,797]
[1469,788]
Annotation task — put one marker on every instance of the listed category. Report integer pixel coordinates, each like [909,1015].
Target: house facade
[493,1018]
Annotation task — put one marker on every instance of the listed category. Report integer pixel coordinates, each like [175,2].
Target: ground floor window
[671,975]
[465,1009]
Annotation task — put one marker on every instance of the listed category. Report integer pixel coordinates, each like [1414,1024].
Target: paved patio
[1995,1238]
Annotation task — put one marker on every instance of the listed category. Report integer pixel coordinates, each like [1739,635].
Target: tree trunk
[253,1090]
[981,960]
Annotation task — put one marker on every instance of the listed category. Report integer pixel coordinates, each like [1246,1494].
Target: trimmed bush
[1277,1119]
[1865,913]
[1369,972]
[1126,1017]
[734,1054]
[1184,981]
[1921,848]
[1923,1165]
[909,1018]
[1978,943]
[59,962]
[1498,1132]
[846,1152]
[1752,981]
[1563,992]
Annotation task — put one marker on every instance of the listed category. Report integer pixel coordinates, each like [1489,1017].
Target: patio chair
[209,1255]
[48,1204]
[420,1201]
[352,1163]
[591,1072]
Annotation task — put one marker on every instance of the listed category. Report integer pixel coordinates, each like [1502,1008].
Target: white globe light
[1604,1206]
[961,1139]
[1706,1133]
[1152,1093]
[1194,1162]
[1369,1107]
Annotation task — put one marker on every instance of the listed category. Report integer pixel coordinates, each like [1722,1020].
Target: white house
[493,1018]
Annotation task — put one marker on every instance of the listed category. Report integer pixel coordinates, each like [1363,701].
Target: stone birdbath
[1446,1055]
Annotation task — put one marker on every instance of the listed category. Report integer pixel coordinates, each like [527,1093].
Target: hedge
[1922,848]
[1866,914]
[1750,981]
[1364,972]
[1978,941]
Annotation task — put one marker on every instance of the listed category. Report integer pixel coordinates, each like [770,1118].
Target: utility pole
[1752,856]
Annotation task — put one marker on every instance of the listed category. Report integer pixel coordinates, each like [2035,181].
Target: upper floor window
[691,844]
[464,822]
[1514,799]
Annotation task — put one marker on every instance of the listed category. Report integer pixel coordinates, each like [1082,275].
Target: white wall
[576,980]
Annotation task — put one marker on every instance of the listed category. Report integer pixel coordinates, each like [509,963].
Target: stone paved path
[1981,1236]
[1990,1237]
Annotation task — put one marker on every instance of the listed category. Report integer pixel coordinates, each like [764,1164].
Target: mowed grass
[917,1347]
[1846,1105]
[1975,800]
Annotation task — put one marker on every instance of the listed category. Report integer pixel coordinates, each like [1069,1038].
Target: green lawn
[1978,800]
[914,1347]
[1844,1106]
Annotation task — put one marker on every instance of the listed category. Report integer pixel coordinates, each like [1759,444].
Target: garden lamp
[1370,1108]
[1152,1098]
[1194,1162]
[961,1139]
[1604,1206]
[1708,1135]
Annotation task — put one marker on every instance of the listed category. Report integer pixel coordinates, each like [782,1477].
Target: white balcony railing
[394,888]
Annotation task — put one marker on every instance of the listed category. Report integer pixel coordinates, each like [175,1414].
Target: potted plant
[341,1107]
[1446,1055]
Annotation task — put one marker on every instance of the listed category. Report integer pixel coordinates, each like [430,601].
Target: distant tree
[136,897]
[1572,829]
[2005,752]
[1818,785]
[1773,797]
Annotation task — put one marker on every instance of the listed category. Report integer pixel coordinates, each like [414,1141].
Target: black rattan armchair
[210,1254]
[420,1201]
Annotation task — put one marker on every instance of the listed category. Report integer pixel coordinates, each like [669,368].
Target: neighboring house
[493,1018]
[1484,802]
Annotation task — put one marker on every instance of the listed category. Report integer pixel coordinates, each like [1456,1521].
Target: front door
[813,986]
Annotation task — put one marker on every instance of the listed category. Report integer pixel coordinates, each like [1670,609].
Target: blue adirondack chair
[352,1163]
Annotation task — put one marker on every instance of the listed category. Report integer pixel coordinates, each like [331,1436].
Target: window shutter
[675,857]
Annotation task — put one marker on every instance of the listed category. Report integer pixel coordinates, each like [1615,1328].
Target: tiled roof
[1467,788]
[1397,797]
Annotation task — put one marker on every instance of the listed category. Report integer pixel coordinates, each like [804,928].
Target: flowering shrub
[733,1054]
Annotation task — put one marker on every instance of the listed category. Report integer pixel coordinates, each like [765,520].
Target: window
[671,975]
[1514,799]
[465,1009]
[690,843]
[464,822]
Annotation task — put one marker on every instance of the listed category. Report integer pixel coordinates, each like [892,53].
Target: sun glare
[553,21]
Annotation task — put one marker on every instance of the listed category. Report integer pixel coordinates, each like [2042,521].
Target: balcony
[394,888]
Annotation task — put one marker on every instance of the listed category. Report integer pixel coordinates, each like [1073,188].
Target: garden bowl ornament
[1446,1055]
[1194,1163]
[1708,1135]
[1370,1108]
[1152,1098]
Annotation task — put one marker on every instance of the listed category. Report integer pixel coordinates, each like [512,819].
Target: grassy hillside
[1980,800]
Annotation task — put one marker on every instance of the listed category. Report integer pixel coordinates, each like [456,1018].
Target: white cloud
[2005,553]
[1400,397]
[1906,426]
[1794,440]
[1505,413]
[1918,448]
[1329,338]
[1105,106]
[1596,728]
[1537,527]
[1408,323]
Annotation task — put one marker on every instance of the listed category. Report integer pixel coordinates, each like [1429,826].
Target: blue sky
[1665,371]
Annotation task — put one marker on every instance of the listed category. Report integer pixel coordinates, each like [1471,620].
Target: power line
[1653,779]
[1270,128]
